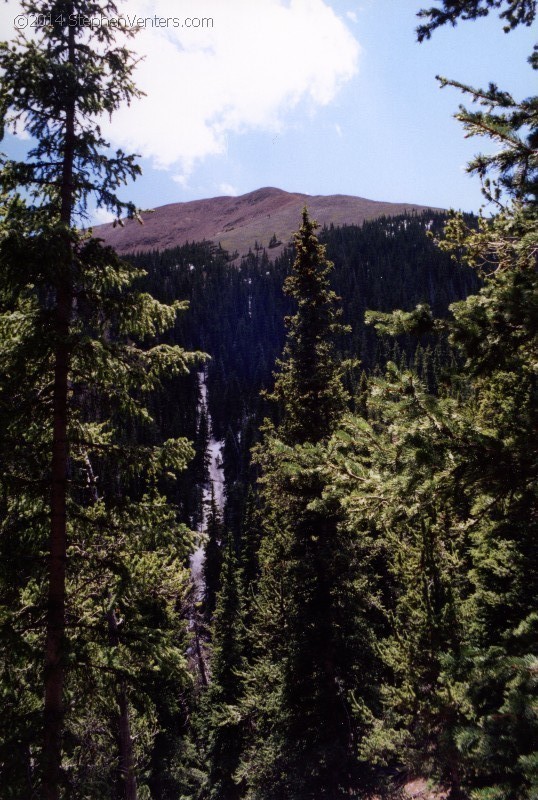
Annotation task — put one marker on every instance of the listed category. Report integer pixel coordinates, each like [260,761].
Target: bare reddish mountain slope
[237,223]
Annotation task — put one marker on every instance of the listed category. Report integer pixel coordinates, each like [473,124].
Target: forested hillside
[268,529]
[266,217]
[236,315]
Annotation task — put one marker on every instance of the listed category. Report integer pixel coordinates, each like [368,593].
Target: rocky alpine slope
[240,223]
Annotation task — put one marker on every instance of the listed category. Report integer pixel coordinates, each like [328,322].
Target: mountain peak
[238,223]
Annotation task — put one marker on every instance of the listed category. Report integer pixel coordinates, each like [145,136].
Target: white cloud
[100,215]
[352,16]
[338,129]
[260,61]
[183,180]
[228,190]
[8,12]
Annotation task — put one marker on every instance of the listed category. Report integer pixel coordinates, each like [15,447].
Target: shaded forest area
[368,611]
[236,315]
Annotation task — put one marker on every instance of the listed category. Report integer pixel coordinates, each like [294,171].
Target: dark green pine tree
[514,12]
[308,385]
[499,740]
[228,642]
[306,633]
[249,546]
[76,358]
[214,530]
[497,333]
[455,500]
[48,83]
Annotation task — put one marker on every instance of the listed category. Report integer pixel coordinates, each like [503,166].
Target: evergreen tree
[515,12]
[450,483]
[75,363]
[225,737]
[512,125]
[390,472]
[455,499]
[306,627]
[249,546]
[308,383]
[214,531]
[49,84]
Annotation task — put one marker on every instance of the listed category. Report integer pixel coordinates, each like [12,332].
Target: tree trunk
[54,661]
[54,674]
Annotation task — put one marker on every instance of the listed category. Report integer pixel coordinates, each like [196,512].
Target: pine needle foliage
[307,622]
[97,589]
[308,384]
[514,12]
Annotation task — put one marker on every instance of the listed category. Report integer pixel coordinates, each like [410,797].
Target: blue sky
[314,96]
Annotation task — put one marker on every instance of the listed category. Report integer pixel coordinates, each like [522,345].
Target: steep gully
[215,483]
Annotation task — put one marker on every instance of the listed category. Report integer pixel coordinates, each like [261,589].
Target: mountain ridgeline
[265,218]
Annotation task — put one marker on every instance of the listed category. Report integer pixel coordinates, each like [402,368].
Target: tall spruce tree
[390,472]
[306,626]
[228,646]
[213,555]
[450,483]
[70,328]
[49,82]
[308,384]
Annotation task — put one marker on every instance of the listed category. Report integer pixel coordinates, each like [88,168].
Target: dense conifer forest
[237,316]
[268,530]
